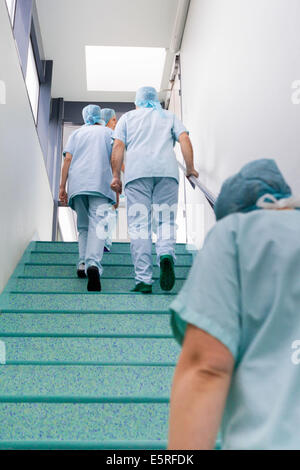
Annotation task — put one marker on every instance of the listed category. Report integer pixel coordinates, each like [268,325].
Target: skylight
[124,68]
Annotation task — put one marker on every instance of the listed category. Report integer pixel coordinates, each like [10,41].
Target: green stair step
[79,285]
[85,384]
[88,426]
[62,247]
[108,259]
[113,351]
[85,370]
[84,324]
[60,271]
[90,302]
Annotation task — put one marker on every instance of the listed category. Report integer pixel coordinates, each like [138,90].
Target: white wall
[239,60]
[26,206]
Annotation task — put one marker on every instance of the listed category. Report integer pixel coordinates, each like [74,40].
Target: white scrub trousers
[93,228]
[151,199]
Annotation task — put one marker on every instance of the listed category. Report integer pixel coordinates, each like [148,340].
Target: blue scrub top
[149,137]
[244,289]
[90,170]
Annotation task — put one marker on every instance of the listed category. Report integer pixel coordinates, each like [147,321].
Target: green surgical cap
[240,192]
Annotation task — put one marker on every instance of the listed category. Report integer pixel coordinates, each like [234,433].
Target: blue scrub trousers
[93,228]
[151,202]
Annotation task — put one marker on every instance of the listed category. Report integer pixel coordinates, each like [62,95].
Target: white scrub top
[244,289]
[149,137]
[90,170]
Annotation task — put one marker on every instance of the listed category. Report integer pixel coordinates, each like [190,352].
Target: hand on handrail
[195,181]
[191,172]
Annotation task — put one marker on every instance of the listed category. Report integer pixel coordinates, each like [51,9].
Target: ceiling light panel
[124,68]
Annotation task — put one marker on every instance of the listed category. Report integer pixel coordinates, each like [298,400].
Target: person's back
[151,180]
[90,169]
[151,136]
[238,314]
[261,410]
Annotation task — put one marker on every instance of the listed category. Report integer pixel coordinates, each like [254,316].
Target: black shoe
[167,273]
[81,271]
[94,284]
[143,288]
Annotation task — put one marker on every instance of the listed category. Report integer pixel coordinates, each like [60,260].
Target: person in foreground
[87,167]
[237,317]
[149,134]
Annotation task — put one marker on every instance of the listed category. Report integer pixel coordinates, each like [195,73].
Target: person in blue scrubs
[149,134]
[237,318]
[88,171]
[108,115]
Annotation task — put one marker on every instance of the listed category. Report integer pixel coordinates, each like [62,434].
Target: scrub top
[149,136]
[244,289]
[90,170]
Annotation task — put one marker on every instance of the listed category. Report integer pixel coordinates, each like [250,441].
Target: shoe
[81,271]
[106,249]
[94,283]
[143,288]
[167,273]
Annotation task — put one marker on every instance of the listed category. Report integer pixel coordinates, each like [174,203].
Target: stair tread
[93,422]
[72,247]
[80,285]
[109,259]
[68,271]
[85,324]
[90,350]
[88,302]
[85,382]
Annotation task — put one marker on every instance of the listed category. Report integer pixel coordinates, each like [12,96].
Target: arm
[116,164]
[200,387]
[188,154]
[63,197]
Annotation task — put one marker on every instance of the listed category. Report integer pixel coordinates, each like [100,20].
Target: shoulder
[169,114]
[129,115]
[226,228]
[77,132]
[108,131]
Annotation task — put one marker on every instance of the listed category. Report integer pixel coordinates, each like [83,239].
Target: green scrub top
[244,289]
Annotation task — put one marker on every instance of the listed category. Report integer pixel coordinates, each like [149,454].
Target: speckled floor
[85,370]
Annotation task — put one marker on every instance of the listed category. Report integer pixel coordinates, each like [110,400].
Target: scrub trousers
[93,228]
[151,205]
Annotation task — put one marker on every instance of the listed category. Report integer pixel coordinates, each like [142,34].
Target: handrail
[210,197]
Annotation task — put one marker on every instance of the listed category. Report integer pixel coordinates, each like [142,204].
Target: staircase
[85,370]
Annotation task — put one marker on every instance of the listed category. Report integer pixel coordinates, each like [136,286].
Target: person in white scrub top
[238,319]
[108,115]
[87,167]
[149,134]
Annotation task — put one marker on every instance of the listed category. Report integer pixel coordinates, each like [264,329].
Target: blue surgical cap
[107,114]
[240,192]
[147,97]
[91,114]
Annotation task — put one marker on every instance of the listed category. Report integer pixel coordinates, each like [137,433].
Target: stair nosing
[81,399]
